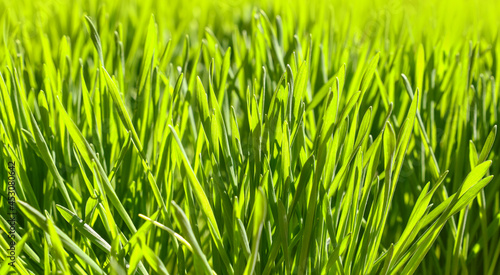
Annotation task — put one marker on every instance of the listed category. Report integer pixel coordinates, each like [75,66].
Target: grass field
[249,137]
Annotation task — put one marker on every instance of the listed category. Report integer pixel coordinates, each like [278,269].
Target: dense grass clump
[213,137]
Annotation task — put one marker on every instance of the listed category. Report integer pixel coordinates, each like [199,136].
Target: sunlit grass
[250,138]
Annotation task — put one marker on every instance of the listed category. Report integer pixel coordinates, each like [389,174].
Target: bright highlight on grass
[315,137]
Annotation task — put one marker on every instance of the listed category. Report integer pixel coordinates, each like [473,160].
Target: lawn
[249,137]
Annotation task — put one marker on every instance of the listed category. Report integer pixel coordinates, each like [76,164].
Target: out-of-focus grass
[250,137]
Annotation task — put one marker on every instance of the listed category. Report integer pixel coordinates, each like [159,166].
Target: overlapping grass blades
[311,137]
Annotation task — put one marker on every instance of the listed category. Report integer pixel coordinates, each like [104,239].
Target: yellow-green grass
[249,137]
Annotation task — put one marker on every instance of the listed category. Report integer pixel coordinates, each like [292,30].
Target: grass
[250,138]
